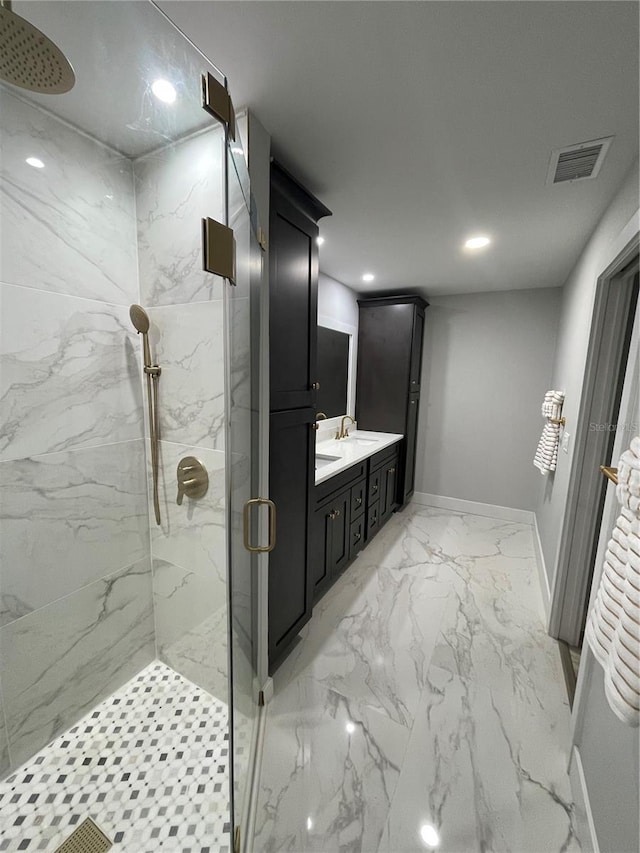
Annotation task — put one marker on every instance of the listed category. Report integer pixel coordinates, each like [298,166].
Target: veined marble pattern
[191,535]
[70,373]
[191,625]
[5,762]
[176,187]
[149,764]
[74,517]
[61,660]
[188,343]
[70,226]
[469,676]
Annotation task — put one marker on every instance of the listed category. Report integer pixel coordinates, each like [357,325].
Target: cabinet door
[291,462]
[358,499]
[410,448]
[388,498]
[339,518]
[373,520]
[293,305]
[320,551]
[416,352]
[357,535]
[375,481]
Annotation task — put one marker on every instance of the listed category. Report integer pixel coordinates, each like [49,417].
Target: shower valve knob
[193,480]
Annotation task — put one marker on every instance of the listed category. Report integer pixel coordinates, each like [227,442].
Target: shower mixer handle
[193,479]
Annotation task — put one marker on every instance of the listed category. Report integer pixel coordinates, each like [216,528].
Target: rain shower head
[139,318]
[29,59]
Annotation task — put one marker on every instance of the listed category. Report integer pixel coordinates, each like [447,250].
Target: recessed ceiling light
[350,727]
[368,276]
[429,835]
[319,240]
[477,242]
[164,91]
[309,824]
[35,162]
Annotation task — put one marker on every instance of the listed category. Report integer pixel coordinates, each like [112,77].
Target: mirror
[337,346]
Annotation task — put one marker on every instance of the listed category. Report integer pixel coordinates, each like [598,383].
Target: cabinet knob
[391,471]
[316,386]
[413,402]
[374,488]
[357,537]
[358,501]
[334,514]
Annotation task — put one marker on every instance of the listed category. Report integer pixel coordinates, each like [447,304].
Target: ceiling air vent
[577,162]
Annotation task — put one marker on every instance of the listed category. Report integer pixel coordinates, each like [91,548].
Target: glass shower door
[242,312]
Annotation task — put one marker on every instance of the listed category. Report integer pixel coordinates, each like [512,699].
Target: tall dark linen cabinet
[389,371]
[293,310]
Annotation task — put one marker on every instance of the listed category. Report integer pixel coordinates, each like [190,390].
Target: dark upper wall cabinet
[293,291]
[293,308]
[388,383]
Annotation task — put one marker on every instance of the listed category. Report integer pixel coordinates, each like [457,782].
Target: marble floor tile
[330,769]
[437,628]
[372,637]
[486,773]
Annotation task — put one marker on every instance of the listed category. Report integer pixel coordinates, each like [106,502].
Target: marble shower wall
[76,615]
[175,188]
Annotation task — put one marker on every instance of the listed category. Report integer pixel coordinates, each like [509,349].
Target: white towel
[613,626]
[546,457]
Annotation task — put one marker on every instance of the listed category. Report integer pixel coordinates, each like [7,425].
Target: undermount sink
[361,442]
[323,459]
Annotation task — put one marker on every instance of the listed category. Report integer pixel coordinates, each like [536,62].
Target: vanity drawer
[339,482]
[356,536]
[375,485]
[358,499]
[373,520]
[382,456]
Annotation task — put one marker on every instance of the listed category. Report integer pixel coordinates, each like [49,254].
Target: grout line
[102,578]
[88,447]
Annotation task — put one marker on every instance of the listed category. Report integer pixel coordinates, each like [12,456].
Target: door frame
[608,338]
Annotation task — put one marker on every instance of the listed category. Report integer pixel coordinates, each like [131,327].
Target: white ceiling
[421,123]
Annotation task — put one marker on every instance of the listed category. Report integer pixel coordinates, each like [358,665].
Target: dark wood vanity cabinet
[349,510]
[293,301]
[389,374]
[293,291]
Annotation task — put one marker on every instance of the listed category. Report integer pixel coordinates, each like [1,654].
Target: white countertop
[349,451]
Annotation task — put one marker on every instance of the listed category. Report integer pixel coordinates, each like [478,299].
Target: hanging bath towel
[613,626]
[546,457]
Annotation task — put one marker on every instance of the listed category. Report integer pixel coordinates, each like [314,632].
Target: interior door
[243,440]
[601,739]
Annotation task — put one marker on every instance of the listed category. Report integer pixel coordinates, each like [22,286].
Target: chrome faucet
[342,432]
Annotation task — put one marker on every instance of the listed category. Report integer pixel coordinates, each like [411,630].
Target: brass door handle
[272,525]
[610,473]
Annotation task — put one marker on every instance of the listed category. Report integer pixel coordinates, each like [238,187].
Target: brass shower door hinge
[217,101]
[236,840]
[218,249]
[262,239]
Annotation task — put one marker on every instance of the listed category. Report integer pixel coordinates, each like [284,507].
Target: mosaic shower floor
[149,765]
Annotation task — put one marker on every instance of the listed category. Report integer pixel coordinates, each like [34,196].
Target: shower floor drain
[87,838]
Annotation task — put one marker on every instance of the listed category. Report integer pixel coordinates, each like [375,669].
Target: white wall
[487,363]
[338,309]
[573,337]
[336,301]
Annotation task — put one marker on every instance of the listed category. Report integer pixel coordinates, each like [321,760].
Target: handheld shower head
[139,318]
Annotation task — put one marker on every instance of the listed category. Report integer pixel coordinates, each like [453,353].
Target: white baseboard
[542,570]
[504,513]
[584,815]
